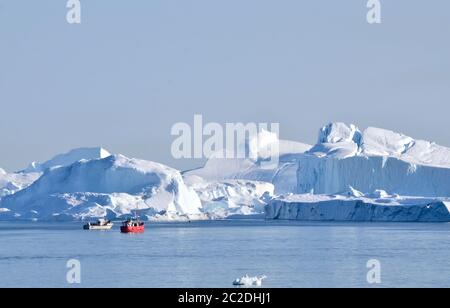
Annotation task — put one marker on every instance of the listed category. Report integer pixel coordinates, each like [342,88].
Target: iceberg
[349,174]
[110,187]
[232,198]
[247,281]
[375,208]
[11,183]
[376,159]
[342,157]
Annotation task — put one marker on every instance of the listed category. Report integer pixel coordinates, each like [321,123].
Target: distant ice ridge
[110,187]
[67,159]
[379,207]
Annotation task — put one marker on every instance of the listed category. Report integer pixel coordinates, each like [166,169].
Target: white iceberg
[110,187]
[344,156]
[376,207]
[11,183]
[377,159]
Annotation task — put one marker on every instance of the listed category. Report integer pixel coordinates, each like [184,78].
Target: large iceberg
[111,187]
[11,183]
[375,159]
[379,207]
[344,156]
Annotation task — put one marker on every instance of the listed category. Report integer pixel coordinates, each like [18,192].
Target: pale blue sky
[132,69]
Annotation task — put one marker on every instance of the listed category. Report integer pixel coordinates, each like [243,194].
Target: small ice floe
[248,281]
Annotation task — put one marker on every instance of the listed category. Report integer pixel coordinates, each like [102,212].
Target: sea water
[215,253]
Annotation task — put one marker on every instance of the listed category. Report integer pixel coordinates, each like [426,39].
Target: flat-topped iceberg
[386,208]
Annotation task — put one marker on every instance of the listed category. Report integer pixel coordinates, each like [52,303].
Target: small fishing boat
[132,225]
[101,224]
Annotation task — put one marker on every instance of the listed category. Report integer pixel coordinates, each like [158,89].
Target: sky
[132,69]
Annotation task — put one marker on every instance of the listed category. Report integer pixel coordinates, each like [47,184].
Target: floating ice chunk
[248,281]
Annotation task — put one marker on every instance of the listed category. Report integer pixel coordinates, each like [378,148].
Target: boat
[101,224]
[132,225]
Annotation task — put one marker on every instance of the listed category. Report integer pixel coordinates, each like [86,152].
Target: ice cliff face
[375,159]
[113,186]
[365,208]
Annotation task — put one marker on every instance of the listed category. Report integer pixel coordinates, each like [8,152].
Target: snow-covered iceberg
[110,187]
[345,156]
[11,183]
[374,159]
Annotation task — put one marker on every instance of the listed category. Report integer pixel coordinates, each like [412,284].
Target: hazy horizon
[130,71]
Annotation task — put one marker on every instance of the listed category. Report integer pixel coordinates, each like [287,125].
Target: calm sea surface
[214,253]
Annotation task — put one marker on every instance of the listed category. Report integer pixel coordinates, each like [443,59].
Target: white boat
[101,224]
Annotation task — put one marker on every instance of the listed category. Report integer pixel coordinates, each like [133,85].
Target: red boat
[132,226]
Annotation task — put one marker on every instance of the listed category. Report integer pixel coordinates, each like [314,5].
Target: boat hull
[131,229]
[91,227]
